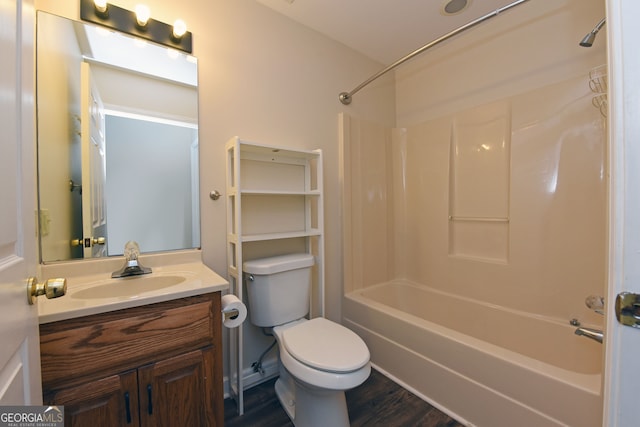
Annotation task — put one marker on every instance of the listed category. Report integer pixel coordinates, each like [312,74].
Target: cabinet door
[178,391]
[111,401]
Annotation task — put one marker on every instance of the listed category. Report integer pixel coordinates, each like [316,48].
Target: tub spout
[594,334]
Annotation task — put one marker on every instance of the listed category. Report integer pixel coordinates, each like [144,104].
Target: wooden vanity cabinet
[109,401]
[154,365]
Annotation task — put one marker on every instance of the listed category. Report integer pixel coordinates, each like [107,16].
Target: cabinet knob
[52,288]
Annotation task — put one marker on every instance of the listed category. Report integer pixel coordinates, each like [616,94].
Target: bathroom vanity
[138,365]
[135,351]
[139,355]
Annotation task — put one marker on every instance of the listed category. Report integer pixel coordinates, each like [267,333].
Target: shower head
[588,40]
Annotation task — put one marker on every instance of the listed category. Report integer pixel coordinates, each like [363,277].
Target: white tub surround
[472,239]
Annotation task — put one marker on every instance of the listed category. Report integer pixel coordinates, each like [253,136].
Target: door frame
[622,344]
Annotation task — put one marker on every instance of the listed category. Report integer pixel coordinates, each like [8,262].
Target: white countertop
[81,300]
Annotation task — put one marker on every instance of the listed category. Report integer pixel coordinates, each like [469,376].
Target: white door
[622,361]
[94,213]
[20,349]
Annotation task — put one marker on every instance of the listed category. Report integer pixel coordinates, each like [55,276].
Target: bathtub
[481,364]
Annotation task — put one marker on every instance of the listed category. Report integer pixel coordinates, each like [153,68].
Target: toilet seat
[304,373]
[325,345]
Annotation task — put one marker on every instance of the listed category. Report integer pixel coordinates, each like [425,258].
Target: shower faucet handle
[595,303]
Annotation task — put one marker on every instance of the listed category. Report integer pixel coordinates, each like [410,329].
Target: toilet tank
[278,288]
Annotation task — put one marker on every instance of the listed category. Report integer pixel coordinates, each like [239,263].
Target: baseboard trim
[252,378]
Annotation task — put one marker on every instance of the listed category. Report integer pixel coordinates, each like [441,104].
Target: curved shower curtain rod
[345,97]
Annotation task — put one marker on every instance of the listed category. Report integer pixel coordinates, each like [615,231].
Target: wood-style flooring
[377,402]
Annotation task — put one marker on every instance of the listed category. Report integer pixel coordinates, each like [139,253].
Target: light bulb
[179,28]
[100,5]
[142,14]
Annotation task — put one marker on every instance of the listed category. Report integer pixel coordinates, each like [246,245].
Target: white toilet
[319,359]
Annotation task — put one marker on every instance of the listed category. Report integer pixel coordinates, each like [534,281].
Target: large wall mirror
[117,142]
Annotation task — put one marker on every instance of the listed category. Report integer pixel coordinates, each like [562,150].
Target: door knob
[88,242]
[52,288]
[628,309]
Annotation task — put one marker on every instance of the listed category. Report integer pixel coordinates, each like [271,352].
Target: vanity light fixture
[138,23]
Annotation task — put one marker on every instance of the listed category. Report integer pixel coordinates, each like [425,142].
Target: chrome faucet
[132,266]
[594,334]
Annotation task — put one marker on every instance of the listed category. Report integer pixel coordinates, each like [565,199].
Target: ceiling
[383,30]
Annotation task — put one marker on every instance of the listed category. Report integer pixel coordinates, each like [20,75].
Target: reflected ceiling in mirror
[117,142]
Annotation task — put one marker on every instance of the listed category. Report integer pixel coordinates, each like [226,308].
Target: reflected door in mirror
[94,218]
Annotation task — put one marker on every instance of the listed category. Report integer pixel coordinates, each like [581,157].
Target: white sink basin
[127,287]
[96,292]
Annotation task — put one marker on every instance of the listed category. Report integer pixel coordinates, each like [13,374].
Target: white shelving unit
[274,207]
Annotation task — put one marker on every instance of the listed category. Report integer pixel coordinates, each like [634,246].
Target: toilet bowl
[319,359]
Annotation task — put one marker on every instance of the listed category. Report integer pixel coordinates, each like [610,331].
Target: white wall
[58,124]
[148,165]
[139,94]
[266,79]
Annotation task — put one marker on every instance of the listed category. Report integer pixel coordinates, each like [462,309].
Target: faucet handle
[595,303]
[131,250]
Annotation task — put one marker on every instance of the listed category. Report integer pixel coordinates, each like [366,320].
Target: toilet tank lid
[278,264]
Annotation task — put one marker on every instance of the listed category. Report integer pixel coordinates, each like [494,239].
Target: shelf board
[250,192]
[269,150]
[277,236]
